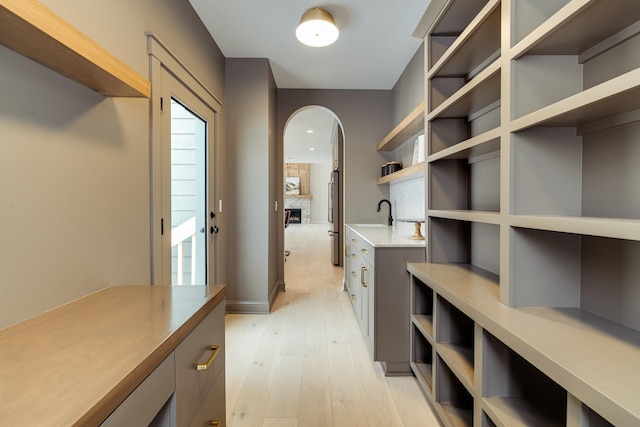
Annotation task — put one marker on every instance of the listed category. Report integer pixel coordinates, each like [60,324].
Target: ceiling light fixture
[317,28]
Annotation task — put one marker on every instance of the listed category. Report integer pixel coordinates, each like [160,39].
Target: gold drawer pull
[353,256]
[353,297]
[353,273]
[214,353]
[362,281]
[215,423]
[354,240]
[364,251]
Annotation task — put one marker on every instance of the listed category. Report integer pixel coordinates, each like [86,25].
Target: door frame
[170,77]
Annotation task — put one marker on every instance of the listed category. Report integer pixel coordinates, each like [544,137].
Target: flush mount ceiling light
[317,28]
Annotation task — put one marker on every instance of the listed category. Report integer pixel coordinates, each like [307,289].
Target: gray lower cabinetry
[378,286]
[193,385]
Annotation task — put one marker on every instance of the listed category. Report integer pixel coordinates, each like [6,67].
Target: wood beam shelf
[408,127]
[32,30]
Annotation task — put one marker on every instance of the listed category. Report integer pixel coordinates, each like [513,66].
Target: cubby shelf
[616,96]
[517,412]
[410,172]
[478,93]
[577,27]
[424,323]
[484,143]
[34,31]
[408,127]
[471,49]
[460,361]
[603,373]
[423,373]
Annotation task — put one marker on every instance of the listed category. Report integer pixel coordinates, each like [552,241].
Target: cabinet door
[193,383]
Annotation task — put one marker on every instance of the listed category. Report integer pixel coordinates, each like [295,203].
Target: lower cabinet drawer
[193,382]
[213,409]
[144,403]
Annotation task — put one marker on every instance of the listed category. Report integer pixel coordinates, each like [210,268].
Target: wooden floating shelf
[34,31]
[403,174]
[408,127]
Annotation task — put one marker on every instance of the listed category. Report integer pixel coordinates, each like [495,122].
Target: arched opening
[312,169]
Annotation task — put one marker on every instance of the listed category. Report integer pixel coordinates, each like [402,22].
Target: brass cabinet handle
[214,353]
[362,271]
[353,256]
[353,240]
[353,273]
[353,297]
[215,423]
[364,251]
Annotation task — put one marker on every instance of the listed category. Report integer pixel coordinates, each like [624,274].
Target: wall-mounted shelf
[403,174]
[34,31]
[408,127]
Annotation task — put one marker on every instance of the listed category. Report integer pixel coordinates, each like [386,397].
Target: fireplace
[296,215]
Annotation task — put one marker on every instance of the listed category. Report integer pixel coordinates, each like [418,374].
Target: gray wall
[408,91]
[252,186]
[74,166]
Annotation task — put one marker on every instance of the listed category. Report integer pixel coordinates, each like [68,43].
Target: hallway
[306,364]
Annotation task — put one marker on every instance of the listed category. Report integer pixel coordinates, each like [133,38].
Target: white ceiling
[374,47]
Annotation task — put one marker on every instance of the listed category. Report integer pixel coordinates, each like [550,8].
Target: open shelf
[455,341]
[460,15]
[476,46]
[407,128]
[478,94]
[466,148]
[422,300]
[518,394]
[405,174]
[465,184]
[628,229]
[34,31]
[452,399]
[571,28]
[422,360]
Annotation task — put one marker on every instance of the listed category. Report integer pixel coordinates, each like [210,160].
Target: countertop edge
[367,234]
[105,406]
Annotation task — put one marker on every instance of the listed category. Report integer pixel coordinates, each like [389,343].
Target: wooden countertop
[75,364]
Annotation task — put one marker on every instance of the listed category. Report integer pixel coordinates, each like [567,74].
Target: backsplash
[408,201]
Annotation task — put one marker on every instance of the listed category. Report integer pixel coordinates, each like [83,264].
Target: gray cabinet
[378,286]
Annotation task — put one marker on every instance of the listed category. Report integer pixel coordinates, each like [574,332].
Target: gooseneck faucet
[390,219]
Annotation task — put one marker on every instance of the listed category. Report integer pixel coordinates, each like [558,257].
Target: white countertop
[382,236]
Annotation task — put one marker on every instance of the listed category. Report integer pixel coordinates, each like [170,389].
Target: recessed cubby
[455,338]
[422,310]
[557,172]
[596,274]
[450,25]
[486,421]
[464,242]
[516,393]
[559,69]
[422,358]
[466,184]
[528,15]
[452,398]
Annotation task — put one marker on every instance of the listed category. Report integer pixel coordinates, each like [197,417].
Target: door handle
[203,230]
[362,281]
[214,229]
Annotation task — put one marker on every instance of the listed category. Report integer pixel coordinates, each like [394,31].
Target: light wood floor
[306,363]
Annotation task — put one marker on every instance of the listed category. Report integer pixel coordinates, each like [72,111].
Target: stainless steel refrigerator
[335,218]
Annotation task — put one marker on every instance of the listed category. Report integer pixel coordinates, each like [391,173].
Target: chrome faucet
[390,219]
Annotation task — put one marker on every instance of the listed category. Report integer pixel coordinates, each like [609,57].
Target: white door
[186,172]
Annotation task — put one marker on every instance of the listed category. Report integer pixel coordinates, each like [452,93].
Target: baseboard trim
[247,307]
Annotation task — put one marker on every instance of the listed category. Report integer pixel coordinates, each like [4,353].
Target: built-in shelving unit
[34,31]
[533,214]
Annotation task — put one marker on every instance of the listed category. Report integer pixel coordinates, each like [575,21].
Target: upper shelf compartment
[575,28]
[408,127]
[36,32]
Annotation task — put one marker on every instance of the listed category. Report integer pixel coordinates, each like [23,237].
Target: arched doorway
[312,169]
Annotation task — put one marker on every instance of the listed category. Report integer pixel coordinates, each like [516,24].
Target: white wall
[320,191]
